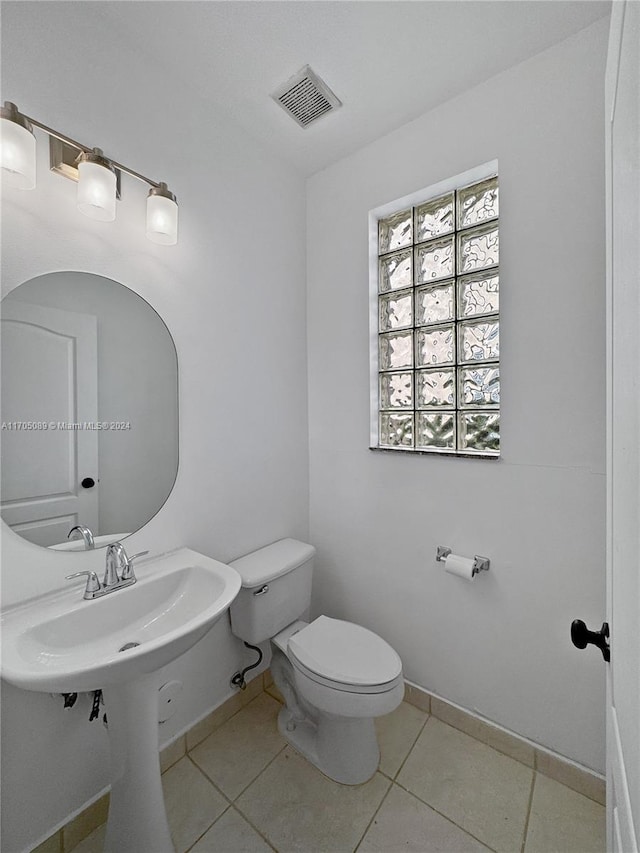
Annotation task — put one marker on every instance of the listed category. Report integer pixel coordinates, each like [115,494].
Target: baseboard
[575,776]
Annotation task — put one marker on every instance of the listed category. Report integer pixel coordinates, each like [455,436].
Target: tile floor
[437,789]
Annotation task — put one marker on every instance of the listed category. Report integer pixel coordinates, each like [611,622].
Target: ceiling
[388,61]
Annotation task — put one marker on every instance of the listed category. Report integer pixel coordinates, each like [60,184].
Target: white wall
[499,646]
[232,293]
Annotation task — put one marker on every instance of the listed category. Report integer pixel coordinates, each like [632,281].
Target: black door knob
[88,483]
[581,636]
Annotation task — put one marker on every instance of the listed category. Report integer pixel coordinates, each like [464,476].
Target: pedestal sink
[61,643]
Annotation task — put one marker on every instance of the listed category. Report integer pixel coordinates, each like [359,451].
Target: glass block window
[438,323]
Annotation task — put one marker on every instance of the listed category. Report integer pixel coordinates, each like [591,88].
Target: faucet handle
[93,584]
[127,571]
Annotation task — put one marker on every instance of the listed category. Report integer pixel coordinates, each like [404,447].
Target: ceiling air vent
[306,97]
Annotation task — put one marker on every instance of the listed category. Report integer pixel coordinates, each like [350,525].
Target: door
[47,447]
[623,427]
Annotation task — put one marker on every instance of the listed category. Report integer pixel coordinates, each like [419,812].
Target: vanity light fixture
[96,186]
[18,148]
[162,215]
[98,177]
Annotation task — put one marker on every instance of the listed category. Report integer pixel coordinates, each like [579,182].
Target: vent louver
[306,97]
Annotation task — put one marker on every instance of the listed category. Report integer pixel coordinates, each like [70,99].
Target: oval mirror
[89,408]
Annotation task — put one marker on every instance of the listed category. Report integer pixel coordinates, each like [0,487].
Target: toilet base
[343,748]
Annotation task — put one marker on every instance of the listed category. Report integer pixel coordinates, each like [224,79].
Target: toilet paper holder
[480,564]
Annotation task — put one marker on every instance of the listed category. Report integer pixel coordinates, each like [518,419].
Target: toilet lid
[345,653]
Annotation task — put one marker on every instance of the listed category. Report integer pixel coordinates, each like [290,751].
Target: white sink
[61,643]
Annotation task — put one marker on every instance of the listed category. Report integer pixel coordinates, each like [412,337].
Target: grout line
[179,758]
[410,750]
[446,817]
[219,726]
[260,772]
[210,780]
[233,802]
[255,828]
[373,816]
[411,793]
[526,822]
[207,829]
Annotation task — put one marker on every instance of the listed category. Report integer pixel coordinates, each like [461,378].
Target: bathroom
[265,295]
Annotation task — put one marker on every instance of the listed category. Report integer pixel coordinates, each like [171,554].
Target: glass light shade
[162,220]
[96,191]
[18,155]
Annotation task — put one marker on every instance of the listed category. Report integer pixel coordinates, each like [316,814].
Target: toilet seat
[345,656]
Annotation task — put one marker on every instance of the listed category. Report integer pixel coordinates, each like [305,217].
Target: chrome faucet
[82,532]
[117,575]
[116,563]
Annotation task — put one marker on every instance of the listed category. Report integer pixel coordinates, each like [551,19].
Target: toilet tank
[276,589]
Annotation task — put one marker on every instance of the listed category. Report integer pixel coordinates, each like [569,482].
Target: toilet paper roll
[460,566]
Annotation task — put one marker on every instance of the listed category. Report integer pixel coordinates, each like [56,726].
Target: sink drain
[128,646]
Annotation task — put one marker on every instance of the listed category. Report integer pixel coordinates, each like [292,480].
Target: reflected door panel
[80,348]
[46,404]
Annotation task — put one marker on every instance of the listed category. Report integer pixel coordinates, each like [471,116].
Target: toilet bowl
[335,676]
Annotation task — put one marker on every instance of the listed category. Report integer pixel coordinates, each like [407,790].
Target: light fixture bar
[97,176]
[86,149]
[136,175]
[56,134]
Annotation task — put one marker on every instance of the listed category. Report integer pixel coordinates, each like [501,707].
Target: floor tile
[192,803]
[481,790]
[242,747]
[396,734]
[563,821]
[231,834]
[406,824]
[299,809]
[215,719]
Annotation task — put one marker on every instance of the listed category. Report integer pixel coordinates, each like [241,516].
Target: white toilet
[335,676]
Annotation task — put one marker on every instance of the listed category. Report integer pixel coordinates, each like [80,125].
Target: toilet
[335,676]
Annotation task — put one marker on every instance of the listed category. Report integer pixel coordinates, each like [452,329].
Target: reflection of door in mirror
[125,382]
[48,408]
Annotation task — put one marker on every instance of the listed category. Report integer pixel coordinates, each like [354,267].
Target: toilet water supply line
[238,678]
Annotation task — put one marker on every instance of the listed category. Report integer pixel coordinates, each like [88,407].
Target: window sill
[455,454]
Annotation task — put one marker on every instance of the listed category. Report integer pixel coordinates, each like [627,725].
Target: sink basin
[61,643]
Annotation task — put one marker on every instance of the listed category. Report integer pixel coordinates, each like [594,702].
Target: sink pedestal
[137,820]
[61,643]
